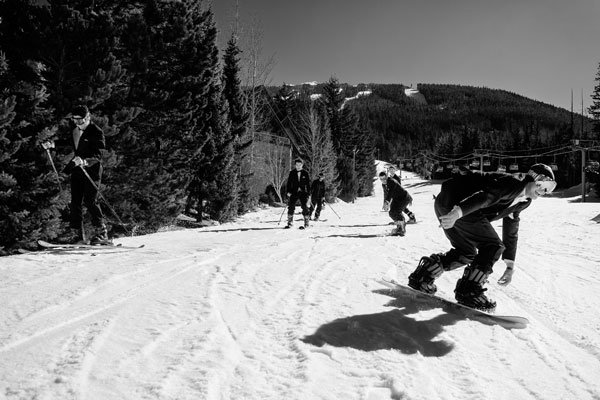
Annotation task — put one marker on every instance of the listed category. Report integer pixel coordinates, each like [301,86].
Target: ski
[83,246]
[506,321]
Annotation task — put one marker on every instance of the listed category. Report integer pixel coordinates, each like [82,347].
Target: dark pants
[473,238]
[316,207]
[83,192]
[303,197]
[398,206]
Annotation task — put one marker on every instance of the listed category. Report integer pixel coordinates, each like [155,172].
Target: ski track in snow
[251,311]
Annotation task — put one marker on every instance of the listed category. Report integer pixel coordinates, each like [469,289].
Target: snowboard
[58,246]
[506,321]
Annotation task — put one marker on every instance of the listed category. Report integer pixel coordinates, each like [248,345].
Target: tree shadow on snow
[393,329]
[354,236]
[242,229]
[358,226]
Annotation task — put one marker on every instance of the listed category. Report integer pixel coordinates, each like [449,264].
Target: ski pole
[54,168]
[334,211]
[281,216]
[103,198]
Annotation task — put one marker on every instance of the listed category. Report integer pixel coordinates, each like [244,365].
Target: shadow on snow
[393,329]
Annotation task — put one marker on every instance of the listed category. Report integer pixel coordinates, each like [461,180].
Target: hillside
[450,121]
[249,311]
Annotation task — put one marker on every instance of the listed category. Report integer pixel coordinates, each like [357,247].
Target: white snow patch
[247,310]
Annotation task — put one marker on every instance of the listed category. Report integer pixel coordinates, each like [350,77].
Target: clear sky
[540,49]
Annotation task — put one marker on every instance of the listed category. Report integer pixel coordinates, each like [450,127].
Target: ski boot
[411,218]
[429,269]
[469,290]
[101,236]
[306,222]
[290,222]
[400,228]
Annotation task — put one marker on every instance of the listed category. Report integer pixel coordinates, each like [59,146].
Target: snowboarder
[317,196]
[87,141]
[465,207]
[395,201]
[392,174]
[298,188]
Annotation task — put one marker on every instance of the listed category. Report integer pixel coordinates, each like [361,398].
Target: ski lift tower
[479,153]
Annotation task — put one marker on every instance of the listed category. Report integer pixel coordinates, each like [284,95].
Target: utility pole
[582,115]
[583,175]
[577,146]
[480,155]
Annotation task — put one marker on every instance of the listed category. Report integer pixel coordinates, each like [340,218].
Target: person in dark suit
[317,196]
[298,188]
[466,206]
[87,140]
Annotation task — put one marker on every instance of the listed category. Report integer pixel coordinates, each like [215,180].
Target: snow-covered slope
[415,95]
[250,311]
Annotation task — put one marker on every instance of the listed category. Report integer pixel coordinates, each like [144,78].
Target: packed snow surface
[247,310]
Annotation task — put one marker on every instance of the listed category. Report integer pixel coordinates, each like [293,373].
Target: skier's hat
[541,172]
[298,160]
[320,175]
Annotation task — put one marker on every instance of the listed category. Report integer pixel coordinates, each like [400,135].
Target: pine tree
[349,140]
[30,200]
[215,182]
[154,150]
[238,119]
[594,109]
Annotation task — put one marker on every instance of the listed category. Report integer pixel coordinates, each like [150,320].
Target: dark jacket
[394,191]
[89,149]
[317,191]
[295,185]
[490,196]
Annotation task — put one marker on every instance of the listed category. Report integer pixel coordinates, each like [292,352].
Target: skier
[87,141]
[395,201]
[392,174]
[298,188]
[317,196]
[465,207]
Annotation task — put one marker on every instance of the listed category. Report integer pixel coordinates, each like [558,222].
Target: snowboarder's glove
[48,145]
[447,221]
[508,273]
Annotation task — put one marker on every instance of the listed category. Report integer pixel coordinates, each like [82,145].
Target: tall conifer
[238,118]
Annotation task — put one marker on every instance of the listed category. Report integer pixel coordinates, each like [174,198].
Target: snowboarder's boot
[469,290]
[101,236]
[429,269]
[290,222]
[400,228]
[306,221]
[411,218]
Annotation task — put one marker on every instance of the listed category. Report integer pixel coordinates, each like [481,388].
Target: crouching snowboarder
[466,206]
[396,200]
